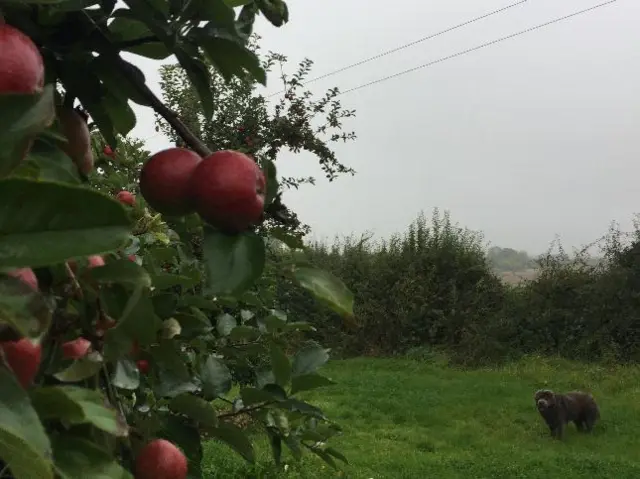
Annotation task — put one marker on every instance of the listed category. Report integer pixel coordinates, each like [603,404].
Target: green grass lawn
[409,419]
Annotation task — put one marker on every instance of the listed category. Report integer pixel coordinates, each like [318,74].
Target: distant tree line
[435,286]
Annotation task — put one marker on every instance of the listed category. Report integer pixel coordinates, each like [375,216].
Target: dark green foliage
[435,287]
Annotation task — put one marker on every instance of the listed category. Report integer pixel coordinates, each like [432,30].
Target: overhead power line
[410,44]
[469,50]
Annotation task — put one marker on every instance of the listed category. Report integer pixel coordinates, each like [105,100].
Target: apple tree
[122,315]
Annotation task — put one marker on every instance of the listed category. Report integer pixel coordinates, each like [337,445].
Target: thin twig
[245,410]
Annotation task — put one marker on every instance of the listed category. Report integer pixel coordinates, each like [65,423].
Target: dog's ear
[540,393]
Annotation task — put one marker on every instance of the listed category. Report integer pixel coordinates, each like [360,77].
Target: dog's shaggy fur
[560,409]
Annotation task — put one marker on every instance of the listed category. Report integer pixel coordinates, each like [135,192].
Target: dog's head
[545,399]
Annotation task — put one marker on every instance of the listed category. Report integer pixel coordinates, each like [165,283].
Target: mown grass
[410,419]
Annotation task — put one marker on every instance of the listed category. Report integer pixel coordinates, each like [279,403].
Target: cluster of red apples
[226,188]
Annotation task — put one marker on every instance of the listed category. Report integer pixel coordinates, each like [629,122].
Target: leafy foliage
[171,308]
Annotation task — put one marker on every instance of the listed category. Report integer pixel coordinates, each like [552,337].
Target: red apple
[126,198]
[228,189]
[95,261]
[107,150]
[23,357]
[143,366]
[161,459]
[76,348]
[21,65]
[27,276]
[164,181]
[132,257]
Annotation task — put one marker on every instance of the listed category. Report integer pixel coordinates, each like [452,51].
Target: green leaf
[225,324]
[337,454]
[307,382]
[129,30]
[236,439]
[230,58]
[43,223]
[77,458]
[252,396]
[139,321]
[270,173]
[200,79]
[280,365]
[24,444]
[295,405]
[121,271]
[83,368]
[308,359]
[118,83]
[22,117]
[276,445]
[196,408]
[217,11]
[187,437]
[327,288]
[22,308]
[215,377]
[76,405]
[121,114]
[52,163]
[324,456]
[275,11]
[293,443]
[234,262]
[237,3]
[244,332]
[168,280]
[126,375]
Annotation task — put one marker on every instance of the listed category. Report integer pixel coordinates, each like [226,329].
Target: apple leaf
[44,223]
[76,405]
[234,262]
[23,115]
[325,287]
[121,271]
[22,308]
[77,458]
[308,359]
[24,444]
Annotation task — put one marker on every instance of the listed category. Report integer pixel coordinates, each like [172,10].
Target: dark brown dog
[560,409]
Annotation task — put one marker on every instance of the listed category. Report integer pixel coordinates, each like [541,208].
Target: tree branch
[135,42]
[246,410]
[169,115]
[107,48]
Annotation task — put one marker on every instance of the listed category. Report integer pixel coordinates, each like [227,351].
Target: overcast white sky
[523,140]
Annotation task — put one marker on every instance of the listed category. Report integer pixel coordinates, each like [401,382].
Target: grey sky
[525,139]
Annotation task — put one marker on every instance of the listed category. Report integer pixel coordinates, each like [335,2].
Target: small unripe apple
[228,189]
[27,276]
[21,65]
[164,181]
[143,366]
[23,357]
[76,348]
[126,198]
[161,459]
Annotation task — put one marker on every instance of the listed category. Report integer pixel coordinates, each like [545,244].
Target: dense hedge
[434,287]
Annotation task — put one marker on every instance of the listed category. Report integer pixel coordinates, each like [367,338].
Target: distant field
[515,277]
[408,419]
